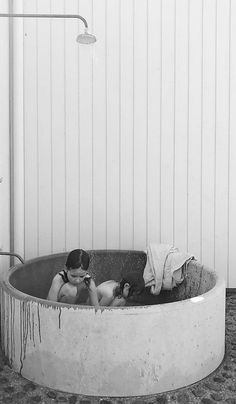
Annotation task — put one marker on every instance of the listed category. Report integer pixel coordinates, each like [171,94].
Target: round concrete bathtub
[128,351]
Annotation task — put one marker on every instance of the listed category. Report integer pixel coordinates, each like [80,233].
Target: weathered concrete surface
[114,351]
[219,387]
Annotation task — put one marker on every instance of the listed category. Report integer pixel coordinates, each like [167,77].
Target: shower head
[86,38]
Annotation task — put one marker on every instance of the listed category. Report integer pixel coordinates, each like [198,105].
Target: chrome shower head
[86,38]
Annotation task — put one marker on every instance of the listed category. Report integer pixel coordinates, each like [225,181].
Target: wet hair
[136,282]
[76,259]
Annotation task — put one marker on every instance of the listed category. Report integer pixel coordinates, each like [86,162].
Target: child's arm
[57,282]
[106,301]
[67,294]
[118,301]
[106,293]
[93,295]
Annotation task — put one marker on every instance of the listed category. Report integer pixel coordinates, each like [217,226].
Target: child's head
[77,264]
[132,284]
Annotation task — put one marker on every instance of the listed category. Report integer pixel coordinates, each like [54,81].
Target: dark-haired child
[113,293]
[73,281]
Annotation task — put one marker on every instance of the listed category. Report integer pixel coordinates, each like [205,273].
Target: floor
[219,387]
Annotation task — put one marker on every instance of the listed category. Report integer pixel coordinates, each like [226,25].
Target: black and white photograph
[117,201]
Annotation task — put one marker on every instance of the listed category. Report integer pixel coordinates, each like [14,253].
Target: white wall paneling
[181,125]
[194,121]
[31,135]
[126,124]
[222,136]
[129,140]
[113,122]
[208,121]
[231,275]
[140,122]
[44,128]
[86,133]
[99,233]
[58,84]
[168,57]
[153,146]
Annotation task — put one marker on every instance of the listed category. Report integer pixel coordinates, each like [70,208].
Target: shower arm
[77,16]
[12,255]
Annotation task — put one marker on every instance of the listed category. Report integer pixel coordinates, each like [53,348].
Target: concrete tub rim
[6,286]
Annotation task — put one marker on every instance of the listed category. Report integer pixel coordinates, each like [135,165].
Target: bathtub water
[122,351]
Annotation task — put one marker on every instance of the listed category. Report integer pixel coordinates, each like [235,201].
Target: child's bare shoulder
[57,279]
[106,288]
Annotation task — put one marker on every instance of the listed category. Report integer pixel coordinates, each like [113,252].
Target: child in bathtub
[73,284]
[113,293]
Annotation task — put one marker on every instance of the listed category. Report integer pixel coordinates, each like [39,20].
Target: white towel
[163,268]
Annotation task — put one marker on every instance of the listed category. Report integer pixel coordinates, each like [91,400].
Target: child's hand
[118,301]
[87,280]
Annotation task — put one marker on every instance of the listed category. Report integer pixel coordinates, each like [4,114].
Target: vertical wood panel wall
[131,140]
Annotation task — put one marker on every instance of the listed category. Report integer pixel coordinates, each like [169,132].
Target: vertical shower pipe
[18,128]
[4,152]
[13,164]
[11,135]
